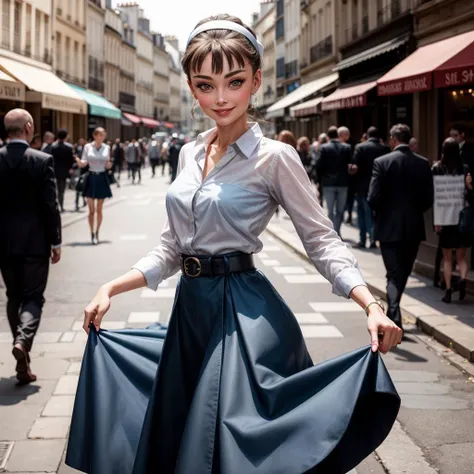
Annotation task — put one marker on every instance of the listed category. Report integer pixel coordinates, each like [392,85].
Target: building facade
[127,88]
[161,82]
[113,48]
[171,45]
[264,27]
[144,74]
[27,74]
[95,45]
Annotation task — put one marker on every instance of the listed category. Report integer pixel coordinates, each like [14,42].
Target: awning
[133,118]
[125,122]
[371,53]
[301,93]
[450,61]
[53,93]
[150,123]
[98,105]
[168,124]
[348,97]
[309,107]
[11,89]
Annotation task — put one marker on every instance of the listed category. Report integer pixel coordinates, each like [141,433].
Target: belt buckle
[186,267]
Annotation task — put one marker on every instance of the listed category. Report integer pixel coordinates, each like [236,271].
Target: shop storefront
[148,126]
[309,115]
[101,113]
[51,102]
[12,95]
[440,78]
[280,112]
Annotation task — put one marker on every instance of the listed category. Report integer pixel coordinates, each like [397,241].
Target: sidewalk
[451,324]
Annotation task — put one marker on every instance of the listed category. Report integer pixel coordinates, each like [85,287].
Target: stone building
[171,45]
[161,83]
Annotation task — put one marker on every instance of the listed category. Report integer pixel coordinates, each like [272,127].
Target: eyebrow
[233,73]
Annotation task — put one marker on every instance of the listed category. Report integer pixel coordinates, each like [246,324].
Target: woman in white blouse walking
[97,187]
[235,390]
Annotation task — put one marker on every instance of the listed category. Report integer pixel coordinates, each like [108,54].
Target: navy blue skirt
[97,186]
[228,388]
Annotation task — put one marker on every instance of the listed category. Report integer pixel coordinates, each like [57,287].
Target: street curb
[445,329]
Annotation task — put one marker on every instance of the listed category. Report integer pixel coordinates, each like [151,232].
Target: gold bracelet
[371,303]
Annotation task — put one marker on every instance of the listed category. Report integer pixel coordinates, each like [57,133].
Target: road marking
[290,270]
[111,325]
[310,318]
[263,255]
[271,263]
[313,331]
[134,237]
[305,279]
[77,326]
[166,293]
[271,248]
[335,307]
[140,202]
[144,317]
[68,336]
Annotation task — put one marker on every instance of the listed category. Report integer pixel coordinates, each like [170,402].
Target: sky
[179,17]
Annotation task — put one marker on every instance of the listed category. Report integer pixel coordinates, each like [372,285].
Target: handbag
[82,182]
[466,220]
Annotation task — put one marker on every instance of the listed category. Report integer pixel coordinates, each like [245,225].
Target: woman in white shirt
[235,390]
[97,188]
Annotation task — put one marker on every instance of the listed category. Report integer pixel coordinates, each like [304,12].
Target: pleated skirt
[227,388]
[97,186]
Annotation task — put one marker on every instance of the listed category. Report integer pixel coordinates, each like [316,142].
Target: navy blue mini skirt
[97,186]
[227,388]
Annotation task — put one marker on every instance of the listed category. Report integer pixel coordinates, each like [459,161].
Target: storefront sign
[11,90]
[63,104]
[455,77]
[422,82]
[346,103]
[448,199]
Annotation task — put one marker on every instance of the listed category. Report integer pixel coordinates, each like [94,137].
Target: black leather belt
[216,265]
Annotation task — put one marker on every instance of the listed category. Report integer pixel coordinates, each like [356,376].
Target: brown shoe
[23,371]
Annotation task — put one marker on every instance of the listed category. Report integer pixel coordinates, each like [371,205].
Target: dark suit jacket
[63,156]
[332,166]
[364,157]
[30,222]
[467,156]
[401,191]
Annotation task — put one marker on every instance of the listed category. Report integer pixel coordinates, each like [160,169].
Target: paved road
[437,410]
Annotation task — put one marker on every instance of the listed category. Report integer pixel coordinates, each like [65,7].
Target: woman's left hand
[384,333]
[108,166]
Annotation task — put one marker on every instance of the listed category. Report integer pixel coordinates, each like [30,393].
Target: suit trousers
[398,258]
[25,280]
[336,200]
[61,190]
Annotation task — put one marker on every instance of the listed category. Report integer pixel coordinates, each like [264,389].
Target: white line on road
[335,307]
[144,317]
[316,331]
[310,318]
[271,248]
[271,263]
[305,279]
[290,270]
[134,237]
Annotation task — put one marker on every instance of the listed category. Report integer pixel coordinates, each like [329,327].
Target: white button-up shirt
[229,210]
[97,158]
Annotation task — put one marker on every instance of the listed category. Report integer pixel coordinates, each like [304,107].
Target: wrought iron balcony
[321,50]
[127,99]
[96,84]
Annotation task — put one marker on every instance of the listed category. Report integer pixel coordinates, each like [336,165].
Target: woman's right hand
[96,309]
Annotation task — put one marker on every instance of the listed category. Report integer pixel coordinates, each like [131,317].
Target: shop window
[459,108]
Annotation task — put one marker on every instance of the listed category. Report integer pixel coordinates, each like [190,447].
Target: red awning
[168,124]
[133,118]
[309,107]
[450,61]
[348,97]
[150,123]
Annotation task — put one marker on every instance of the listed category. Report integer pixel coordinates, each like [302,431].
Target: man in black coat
[48,140]
[363,160]
[458,132]
[63,156]
[173,155]
[332,169]
[30,233]
[401,191]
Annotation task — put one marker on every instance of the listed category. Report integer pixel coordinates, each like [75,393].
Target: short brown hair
[287,137]
[227,44]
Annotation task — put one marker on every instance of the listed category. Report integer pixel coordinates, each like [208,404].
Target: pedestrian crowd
[393,186]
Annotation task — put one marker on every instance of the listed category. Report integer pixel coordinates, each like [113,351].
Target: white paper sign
[448,199]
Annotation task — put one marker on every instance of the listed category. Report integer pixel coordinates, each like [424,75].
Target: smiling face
[224,97]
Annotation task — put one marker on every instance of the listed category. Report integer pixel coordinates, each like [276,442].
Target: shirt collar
[19,140]
[246,142]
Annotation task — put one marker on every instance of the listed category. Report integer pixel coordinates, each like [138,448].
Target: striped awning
[310,107]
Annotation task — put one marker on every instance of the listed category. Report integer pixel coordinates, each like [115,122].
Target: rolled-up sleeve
[290,187]
[164,260]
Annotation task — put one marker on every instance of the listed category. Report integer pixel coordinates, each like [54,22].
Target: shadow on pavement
[12,394]
[87,244]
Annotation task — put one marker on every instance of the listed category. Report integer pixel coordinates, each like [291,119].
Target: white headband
[227,25]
